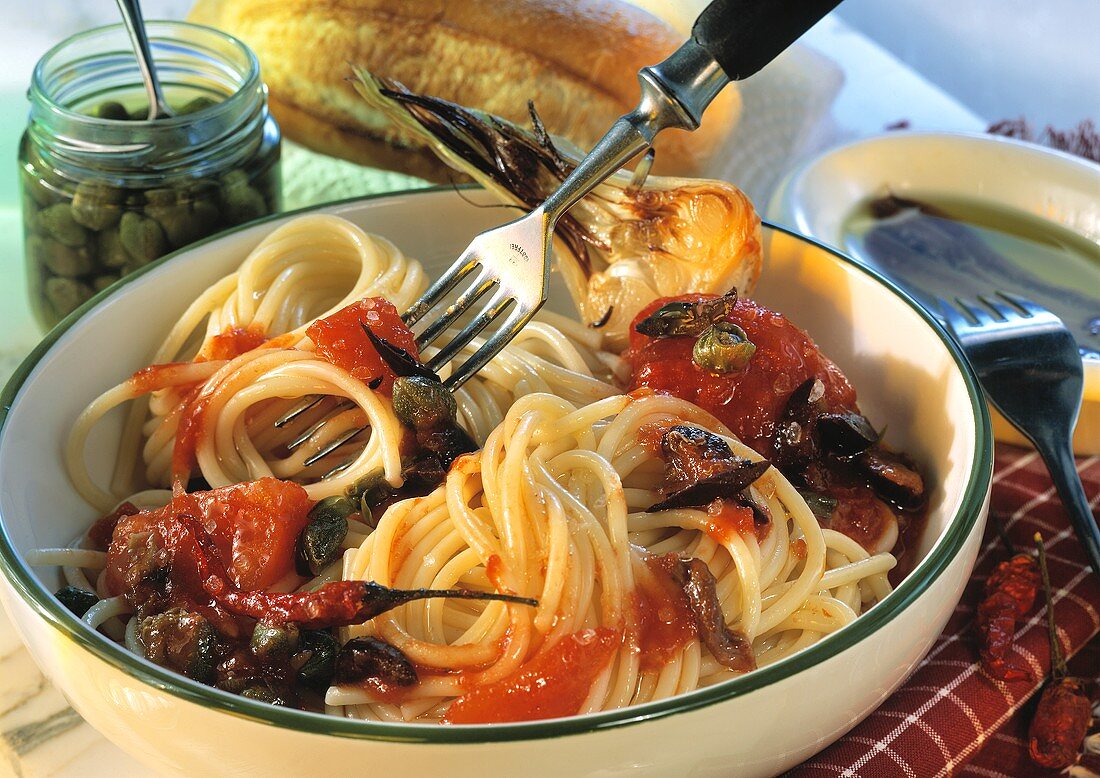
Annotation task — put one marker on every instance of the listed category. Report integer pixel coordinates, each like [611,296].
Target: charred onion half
[631,240]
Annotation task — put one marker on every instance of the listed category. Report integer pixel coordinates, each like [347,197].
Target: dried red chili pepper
[1009,594]
[336,604]
[1064,712]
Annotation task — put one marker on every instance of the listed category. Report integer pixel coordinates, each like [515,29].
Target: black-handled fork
[510,265]
[1030,367]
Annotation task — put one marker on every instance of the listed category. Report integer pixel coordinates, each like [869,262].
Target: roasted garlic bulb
[627,242]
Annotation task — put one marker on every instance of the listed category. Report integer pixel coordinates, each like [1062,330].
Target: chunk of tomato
[340,339]
[749,401]
[254,525]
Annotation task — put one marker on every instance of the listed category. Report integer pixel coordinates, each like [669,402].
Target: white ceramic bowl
[909,377]
[817,199]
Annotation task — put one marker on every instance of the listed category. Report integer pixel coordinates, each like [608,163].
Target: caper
[723,347]
[66,294]
[178,222]
[39,180]
[99,283]
[819,504]
[111,109]
[366,515]
[180,640]
[61,260]
[319,543]
[79,601]
[196,104]
[58,222]
[207,217]
[200,190]
[262,691]
[369,490]
[240,201]
[273,642]
[30,215]
[143,238]
[422,403]
[161,196]
[317,651]
[96,205]
[109,249]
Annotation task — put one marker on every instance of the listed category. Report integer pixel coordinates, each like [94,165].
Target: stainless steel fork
[1029,365]
[731,40]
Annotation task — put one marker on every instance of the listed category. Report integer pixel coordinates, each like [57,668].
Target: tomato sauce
[552,684]
[727,519]
[188,431]
[340,339]
[155,377]
[748,401]
[662,614]
[232,343]
[494,570]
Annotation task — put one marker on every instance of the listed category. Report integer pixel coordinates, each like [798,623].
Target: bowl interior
[908,377]
[818,197]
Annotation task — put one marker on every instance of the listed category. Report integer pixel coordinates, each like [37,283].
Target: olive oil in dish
[952,247]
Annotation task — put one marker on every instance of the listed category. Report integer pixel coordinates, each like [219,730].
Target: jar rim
[249,82]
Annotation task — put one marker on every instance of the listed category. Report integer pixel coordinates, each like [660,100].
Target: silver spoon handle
[135,25]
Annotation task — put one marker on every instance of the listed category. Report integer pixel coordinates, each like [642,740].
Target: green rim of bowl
[43,602]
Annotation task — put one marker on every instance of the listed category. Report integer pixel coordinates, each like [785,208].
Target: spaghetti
[613,596]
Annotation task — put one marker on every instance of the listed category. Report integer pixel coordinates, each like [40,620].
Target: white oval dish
[818,198]
[909,376]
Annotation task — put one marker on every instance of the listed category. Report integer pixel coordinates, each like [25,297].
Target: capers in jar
[59,259]
[111,109]
[109,249]
[96,206]
[142,237]
[58,222]
[99,283]
[723,347]
[65,295]
[196,104]
[241,202]
[422,403]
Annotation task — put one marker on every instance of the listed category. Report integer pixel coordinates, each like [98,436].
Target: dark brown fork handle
[745,35]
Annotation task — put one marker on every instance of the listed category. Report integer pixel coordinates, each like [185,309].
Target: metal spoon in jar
[135,25]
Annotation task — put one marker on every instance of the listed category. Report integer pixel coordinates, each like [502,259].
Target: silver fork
[731,40]
[1029,365]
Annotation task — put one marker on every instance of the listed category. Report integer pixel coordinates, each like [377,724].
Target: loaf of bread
[576,59]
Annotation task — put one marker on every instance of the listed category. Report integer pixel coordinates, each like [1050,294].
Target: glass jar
[105,191]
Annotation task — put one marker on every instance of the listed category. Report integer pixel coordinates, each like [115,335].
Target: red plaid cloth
[950,718]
